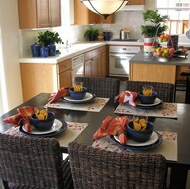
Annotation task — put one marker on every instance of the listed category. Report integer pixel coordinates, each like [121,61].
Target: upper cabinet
[39,13]
[136,2]
[83,16]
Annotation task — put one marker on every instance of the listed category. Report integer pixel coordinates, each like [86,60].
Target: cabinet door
[55,13]
[87,68]
[65,78]
[82,15]
[103,65]
[136,2]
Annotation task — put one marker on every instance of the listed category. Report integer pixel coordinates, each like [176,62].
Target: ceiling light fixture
[104,7]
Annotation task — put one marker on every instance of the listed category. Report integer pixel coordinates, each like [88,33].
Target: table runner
[168,110]
[94,106]
[73,130]
[168,147]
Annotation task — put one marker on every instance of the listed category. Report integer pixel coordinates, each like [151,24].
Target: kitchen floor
[180,98]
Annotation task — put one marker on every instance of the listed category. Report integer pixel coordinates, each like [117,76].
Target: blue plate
[148,147]
[51,134]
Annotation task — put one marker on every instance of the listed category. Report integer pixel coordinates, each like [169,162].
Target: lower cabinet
[96,62]
[38,78]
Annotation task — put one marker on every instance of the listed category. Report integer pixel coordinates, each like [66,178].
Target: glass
[77,86]
[147,90]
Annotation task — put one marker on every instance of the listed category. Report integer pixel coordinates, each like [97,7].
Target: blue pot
[35,50]
[51,49]
[44,52]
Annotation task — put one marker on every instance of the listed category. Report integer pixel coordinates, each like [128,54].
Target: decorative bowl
[43,125]
[77,95]
[147,99]
[139,135]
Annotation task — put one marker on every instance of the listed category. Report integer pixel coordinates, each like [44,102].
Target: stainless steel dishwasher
[78,66]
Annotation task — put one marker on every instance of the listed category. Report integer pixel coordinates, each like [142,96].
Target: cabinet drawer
[88,55]
[99,50]
[65,65]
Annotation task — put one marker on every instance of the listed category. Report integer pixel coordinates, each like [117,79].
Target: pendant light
[104,7]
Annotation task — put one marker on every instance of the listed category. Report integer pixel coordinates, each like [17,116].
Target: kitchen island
[145,67]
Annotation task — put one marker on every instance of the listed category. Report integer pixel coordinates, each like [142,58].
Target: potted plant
[48,39]
[156,25]
[91,34]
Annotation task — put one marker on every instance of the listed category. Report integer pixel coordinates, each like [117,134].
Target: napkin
[113,126]
[64,91]
[127,97]
[22,117]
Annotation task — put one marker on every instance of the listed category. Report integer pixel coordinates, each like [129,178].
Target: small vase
[148,44]
[44,52]
[51,49]
[35,50]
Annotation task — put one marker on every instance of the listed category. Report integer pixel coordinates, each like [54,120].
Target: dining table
[94,119]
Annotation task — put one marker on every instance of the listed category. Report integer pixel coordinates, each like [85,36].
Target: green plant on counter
[49,37]
[156,24]
[91,34]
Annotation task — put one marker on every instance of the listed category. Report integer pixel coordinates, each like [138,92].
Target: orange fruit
[137,126]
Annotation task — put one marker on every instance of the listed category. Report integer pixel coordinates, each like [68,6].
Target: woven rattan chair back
[28,162]
[101,86]
[165,91]
[94,168]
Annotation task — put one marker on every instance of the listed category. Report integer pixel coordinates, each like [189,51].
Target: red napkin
[22,117]
[64,91]
[113,126]
[127,97]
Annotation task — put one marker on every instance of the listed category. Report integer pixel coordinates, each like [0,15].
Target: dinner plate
[188,33]
[147,147]
[88,97]
[61,123]
[56,126]
[156,102]
[151,107]
[130,142]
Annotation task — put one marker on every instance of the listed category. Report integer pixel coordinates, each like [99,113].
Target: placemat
[94,106]
[73,130]
[168,110]
[168,147]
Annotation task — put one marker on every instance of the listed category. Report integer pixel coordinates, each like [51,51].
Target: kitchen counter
[75,50]
[142,58]
[149,68]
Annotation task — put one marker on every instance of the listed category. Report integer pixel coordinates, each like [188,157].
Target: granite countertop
[143,58]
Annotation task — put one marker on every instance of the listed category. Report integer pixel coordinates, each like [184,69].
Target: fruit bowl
[147,99]
[77,95]
[163,52]
[140,135]
[43,125]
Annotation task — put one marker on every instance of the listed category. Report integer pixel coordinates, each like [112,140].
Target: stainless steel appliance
[78,66]
[119,57]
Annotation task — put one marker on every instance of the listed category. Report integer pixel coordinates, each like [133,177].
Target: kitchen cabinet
[42,77]
[65,73]
[83,16]
[96,62]
[39,13]
[153,72]
[136,2]
[38,78]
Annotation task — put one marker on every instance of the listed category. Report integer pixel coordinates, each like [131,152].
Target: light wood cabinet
[153,72]
[39,13]
[83,16]
[38,78]
[136,2]
[65,73]
[96,62]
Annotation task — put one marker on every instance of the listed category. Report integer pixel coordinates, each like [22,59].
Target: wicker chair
[101,86]
[165,91]
[99,169]
[33,163]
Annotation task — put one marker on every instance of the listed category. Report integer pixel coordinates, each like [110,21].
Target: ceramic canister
[35,50]
[148,43]
[44,52]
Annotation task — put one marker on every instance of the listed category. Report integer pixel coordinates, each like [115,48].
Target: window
[178,12]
